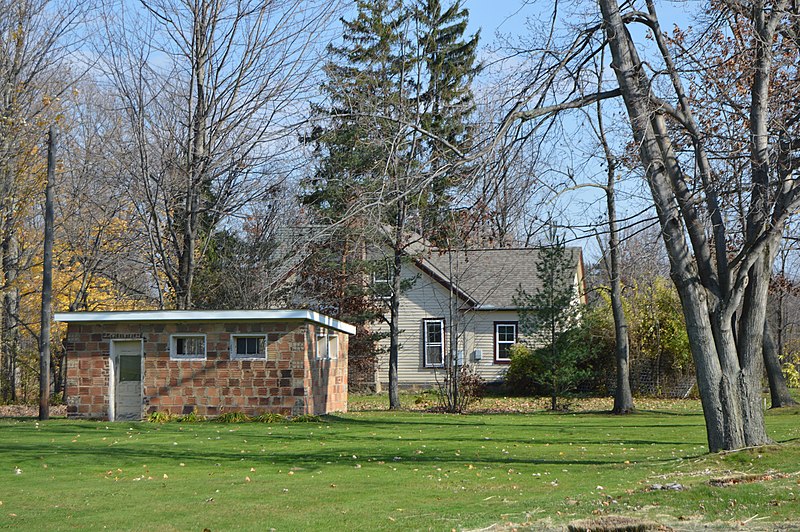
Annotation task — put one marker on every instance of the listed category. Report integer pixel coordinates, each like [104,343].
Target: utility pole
[47,281]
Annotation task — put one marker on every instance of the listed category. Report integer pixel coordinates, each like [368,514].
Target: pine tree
[364,158]
[550,315]
[449,64]
[399,72]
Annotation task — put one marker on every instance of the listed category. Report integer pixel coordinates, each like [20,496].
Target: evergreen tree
[387,84]
[449,64]
[551,315]
[364,149]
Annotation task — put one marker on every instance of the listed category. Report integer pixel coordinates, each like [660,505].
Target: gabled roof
[488,279]
[205,315]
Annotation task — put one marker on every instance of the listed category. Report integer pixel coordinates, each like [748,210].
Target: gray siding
[429,299]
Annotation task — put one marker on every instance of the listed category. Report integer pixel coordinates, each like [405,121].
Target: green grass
[375,470]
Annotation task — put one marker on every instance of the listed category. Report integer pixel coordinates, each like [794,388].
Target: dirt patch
[614,523]
[30,411]
[724,482]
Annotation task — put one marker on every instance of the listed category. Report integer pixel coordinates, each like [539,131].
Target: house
[465,297]
[124,365]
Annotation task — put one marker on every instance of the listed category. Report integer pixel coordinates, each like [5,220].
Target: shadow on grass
[117,456]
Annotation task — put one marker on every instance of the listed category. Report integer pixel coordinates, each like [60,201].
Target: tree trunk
[47,282]
[10,323]
[394,310]
[728,375]
[778,391]
[623,398]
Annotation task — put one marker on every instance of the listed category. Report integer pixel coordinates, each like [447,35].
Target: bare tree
[36,38]
[720,265]
[207,89]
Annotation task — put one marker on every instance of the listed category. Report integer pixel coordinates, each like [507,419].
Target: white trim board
[205,315]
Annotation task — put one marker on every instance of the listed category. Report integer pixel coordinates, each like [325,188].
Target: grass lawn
[410,470]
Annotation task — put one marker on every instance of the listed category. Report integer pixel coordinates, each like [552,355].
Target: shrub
[791,375]
[269,417]
[521,374]
[191,417]
[160,416]
[471,385]
[232,417]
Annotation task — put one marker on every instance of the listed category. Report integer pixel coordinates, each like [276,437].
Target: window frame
[497,342]
[233,355]
[173,346]
[327,333]
[425,344]
[379,281]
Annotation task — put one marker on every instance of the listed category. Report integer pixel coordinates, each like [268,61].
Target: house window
[382,285]
[248,346]
[505,335]
[188,346]
[327,343]
[433,343]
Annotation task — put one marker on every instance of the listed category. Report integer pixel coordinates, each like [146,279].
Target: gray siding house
[466,297]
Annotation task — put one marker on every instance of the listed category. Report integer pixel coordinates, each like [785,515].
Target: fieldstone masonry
[291,381]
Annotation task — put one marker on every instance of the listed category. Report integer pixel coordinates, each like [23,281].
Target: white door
[127,380]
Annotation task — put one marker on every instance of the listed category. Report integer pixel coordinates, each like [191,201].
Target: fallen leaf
[247,479]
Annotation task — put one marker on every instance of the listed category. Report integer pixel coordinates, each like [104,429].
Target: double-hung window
[327,343]
[248,346]
[187,346]
[433,343]
[505,335]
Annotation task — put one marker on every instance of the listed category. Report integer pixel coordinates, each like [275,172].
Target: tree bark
[623,398]
[47,281]
[394,307]
[728,374]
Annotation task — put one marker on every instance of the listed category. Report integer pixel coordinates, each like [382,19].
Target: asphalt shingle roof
[489,277]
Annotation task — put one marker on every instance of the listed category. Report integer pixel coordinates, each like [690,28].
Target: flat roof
[205,315]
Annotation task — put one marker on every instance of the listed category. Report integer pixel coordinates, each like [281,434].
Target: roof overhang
[204,315]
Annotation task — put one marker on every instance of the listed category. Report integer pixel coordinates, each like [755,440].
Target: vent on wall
[477,354]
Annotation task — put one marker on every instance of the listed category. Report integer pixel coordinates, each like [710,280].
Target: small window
[382,285]
[130,368]
[248,346]
[505,335]
[327,344]
[188,346]
[433,343]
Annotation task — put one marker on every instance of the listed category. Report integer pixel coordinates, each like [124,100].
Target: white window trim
[327,334]
[235,356]
[425,344]
[497,341]
[381,281]
[173,355]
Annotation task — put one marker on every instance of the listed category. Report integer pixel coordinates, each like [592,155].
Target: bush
[521,374]
[471,385]
[232,417]
[160,416]
[191,417]
[269,417]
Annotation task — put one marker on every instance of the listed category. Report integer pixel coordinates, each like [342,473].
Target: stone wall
[326,379]
[289,382]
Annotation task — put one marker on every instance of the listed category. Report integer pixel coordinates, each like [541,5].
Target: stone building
[125,365]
